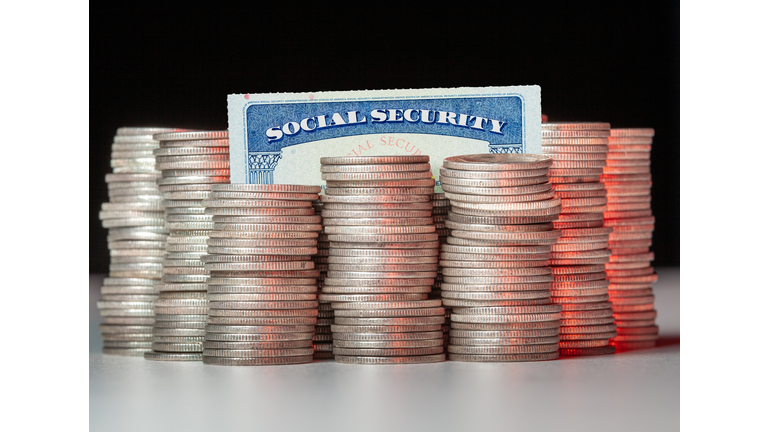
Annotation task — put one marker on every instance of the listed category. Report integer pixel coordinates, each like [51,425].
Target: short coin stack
[440,207]
[323,341]
[191,162]
[496,274]
[262,293]
[377,214]
[136,240]
[628,181]
[578,258]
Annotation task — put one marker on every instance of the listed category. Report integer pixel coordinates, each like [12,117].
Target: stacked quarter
[496,274]
[262,293]
[136,240]
[323,341]
[382,264]
[190,162]
[440,207]
[578,258]
[628,181]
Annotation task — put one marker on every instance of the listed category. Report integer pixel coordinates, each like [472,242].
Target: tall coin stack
[578,258]
[323,341]
[440,207]
[377,213]
[628,181]
[262,294]
[191,162]
[136,240]
[496,274]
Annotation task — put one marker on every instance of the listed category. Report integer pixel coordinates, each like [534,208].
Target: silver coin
[266,321]
[123,305]
[383,267]
[242,281]
[358,191]
[454,303]
[130,214]
[192,180]
[125,329]
[365,260]
[221,258]
[177,332]
[390,360]
[221,226]
[488,257]
[513,326]
[358,206]
[472,341]
[387,244]
[381,275]
[177,347]
[497,295]
[497,162]
[179,325]
[530,271]
[520,287]
[160,356]
[288,352]
[332,289]
[399,304]
[428,251]
[380,222]
[228,329]
[128,290]
[370,297]
[399,321]
[378,230]
[430,182]
[241,308]
[489,228]
[385,329]
[178,339]
[370,216]
[351,336]
[207,142]
[257,345]
[256,361]
[387,352]
[384,313]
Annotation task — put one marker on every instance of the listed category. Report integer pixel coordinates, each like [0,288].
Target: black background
[167,66]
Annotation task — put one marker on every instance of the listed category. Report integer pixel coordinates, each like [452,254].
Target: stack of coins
[578,258]
[496,274]
[262,293]
[323,341]
[377,214]
[190,162]
[136,240]
[440,207]
[628,181]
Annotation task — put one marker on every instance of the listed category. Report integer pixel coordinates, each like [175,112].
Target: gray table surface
[624,392]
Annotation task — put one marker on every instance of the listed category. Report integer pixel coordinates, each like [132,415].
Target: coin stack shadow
[191,162]
[136,241]
[578,258]
[377,214]
[323,340]
[262,293]
[496,275]
[440,207]
[628,181]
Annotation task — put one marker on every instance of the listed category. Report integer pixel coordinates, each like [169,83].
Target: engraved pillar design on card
[261,167]
[505,148]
